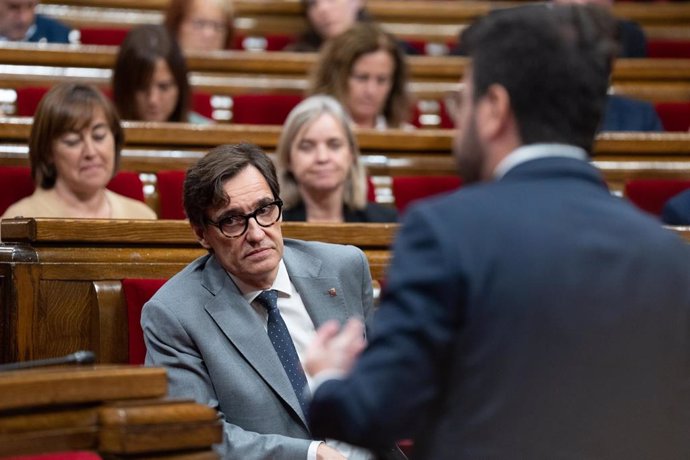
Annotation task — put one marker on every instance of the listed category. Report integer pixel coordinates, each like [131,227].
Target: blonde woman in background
[319,169]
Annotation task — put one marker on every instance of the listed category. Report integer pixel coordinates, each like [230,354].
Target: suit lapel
[322,294]
[243,327]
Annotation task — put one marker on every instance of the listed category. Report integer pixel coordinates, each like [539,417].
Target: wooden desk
[151,147]
[117,411]
[408,19]
[60,279]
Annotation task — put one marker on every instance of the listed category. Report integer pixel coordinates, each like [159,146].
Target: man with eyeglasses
[231,328]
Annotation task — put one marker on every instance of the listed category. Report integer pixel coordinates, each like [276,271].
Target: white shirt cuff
[311,453]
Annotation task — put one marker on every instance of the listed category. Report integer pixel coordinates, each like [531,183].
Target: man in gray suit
[208,324]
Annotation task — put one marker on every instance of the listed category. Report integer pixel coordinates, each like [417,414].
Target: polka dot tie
[282,342]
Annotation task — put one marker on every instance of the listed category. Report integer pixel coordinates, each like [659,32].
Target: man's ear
[200,233]
[493,112]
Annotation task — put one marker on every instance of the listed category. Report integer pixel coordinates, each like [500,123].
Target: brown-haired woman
[150,78]
[201,25]
[74,150]
[365,70]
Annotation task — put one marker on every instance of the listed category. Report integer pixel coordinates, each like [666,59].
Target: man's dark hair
[203,184]
[554,61]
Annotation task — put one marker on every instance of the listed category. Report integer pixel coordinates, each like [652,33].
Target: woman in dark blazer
[321,177]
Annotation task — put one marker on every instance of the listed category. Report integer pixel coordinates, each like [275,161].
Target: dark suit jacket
[372,213]
[50,30]
[677,210]
[536,317]
[625,114]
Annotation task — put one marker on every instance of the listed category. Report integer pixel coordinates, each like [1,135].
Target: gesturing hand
[335,349]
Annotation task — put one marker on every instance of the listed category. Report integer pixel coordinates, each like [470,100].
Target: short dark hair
[136,62]
[554,61]
[203,184]
[67,107]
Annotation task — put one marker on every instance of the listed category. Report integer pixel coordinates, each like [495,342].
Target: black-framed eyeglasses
[236,225]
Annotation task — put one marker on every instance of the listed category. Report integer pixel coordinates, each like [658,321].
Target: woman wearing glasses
[201,25]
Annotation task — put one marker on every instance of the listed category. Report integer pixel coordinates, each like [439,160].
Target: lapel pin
[331,292]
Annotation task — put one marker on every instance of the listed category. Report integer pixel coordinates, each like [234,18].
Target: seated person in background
[19,22]
[216,325]
[633,43]
[319,169]
[676,211]
[201,25]
[74,150]
[365,71]
[626,114]
[150,78]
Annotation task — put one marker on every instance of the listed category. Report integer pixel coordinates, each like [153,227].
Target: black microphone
[78,357]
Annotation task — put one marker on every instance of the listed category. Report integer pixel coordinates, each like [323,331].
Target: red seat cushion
[201,104]
[651,194]
[271,42]
[407,189]
[675,116]
[263,109]
[15,183]
[170,186]
[137,292]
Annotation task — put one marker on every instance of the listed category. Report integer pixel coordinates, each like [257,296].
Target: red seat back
[271,42]
[15,183]
[102,36]
[28,99]
[170,186]
[675,116]
[137,292]
[407,189]
[651,194]
[658,48]
[129,184]
[263,109]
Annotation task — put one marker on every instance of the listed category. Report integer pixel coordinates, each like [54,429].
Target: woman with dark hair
[74,150]
[365,70]
[327,19]
[150,78]
[201,25]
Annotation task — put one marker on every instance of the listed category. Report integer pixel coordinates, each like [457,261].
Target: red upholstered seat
[271,42]
[658,48]
[129,184]
[675,116]
[170,185]
[15,184]
[263,109]
[102,36]
[137,292]
[407,189]
[651,194]
[28,99]
[73,455]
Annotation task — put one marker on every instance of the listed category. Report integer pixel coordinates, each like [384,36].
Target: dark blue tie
[282,342]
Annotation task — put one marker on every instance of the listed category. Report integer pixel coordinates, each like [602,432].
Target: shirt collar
[280,284]
[537,151]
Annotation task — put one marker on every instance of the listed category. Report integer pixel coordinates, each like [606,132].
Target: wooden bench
[60,280]
[239,72]
[116,411]
[408,19]
[152,147]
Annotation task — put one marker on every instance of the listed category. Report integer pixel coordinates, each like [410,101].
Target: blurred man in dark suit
[530,315]
[19,22]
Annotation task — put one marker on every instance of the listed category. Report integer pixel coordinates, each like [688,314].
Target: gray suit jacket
[217,352]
